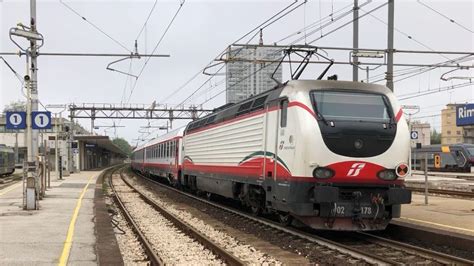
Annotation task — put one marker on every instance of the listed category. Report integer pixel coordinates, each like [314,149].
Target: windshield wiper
[387,105]
[320,115]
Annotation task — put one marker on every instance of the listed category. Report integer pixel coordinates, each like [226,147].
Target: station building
[424,134]
[450,133]
[87,151]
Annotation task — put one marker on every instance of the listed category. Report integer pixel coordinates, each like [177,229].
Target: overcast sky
[202,30]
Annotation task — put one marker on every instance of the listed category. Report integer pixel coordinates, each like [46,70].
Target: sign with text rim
[465,114]
[41,120]
[15,120]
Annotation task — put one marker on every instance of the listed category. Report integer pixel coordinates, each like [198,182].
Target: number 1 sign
[16,120]
[41,120]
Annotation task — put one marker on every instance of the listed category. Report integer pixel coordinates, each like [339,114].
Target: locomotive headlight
[387,174]
[323,172]
[358,144]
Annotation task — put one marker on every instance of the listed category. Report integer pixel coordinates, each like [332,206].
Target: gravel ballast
[173,246]
[244,252]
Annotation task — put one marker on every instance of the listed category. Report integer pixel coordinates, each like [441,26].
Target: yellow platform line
[10,188]
[437,224]
[70,232]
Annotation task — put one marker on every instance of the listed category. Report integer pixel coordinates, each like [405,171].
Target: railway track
[183,227]
[463,194]
[9,180]
[365,247]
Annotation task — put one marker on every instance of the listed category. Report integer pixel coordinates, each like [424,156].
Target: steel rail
[422,252]
[465,194]
[152,255]
[353,252]
[188,229]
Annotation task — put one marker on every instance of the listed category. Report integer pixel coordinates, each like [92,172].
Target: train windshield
[470,151]
[342,105]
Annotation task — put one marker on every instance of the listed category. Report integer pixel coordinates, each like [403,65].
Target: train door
[460,158]
[276,122]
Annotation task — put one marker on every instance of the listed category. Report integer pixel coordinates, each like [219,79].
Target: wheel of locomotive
[285,218]
[209,196]
[256,210]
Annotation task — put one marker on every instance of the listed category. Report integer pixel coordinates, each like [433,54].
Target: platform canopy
[103,142]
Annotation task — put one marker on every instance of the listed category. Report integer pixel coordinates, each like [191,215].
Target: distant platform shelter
[97,152]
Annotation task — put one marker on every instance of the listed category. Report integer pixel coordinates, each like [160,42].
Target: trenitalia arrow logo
[355,169]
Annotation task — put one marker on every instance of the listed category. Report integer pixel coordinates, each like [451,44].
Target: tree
[435,137]
[123,145]
[15,106]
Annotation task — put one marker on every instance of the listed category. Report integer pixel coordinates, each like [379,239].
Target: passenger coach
[160,156]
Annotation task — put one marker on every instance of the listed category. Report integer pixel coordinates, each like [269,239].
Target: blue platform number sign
[465,114]
[41,120]
[414,135]
[16,120]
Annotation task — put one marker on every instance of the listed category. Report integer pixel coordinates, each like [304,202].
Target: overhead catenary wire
[404,33]
[444,16]
[147,19]
[280,14]
[156,47]
[315,24]
[280,51]
[415,71]
[95,26]
[441,89]
[272,19]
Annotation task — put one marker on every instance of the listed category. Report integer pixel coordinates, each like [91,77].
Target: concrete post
[389,73]
[355,41]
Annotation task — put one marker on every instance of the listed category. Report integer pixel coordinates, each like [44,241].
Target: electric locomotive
[331,154]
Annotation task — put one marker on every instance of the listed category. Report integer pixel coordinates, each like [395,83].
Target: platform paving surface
[441,182]
[38,237]
[451,214]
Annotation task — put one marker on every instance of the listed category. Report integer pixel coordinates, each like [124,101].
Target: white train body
[301,150]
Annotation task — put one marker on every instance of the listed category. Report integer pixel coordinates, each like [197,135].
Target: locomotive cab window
[350,105]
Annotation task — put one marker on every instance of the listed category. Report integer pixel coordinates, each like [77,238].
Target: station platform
[442,182]
[61,232]
[442,213]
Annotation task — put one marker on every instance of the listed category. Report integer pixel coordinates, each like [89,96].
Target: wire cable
[156,47]
[405,34]
[262,25]
[441,89]
[95,26]
[146,21]
[444,16]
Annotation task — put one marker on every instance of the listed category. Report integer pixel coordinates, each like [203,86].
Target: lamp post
[31,34]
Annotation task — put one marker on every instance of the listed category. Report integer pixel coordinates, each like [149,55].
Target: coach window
[172,148]
[169,149]
[284,113]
